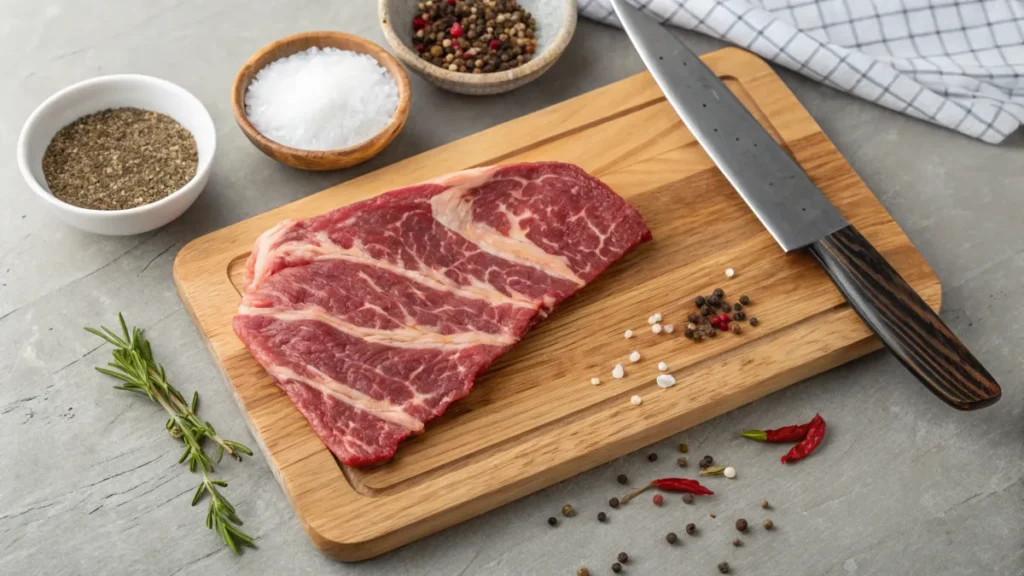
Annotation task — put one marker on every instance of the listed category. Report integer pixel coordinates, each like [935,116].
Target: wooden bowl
[556,22]
[320,159]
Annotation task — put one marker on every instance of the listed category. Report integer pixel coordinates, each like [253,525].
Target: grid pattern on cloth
[956,63]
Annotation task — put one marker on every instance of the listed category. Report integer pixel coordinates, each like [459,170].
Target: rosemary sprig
[138,372]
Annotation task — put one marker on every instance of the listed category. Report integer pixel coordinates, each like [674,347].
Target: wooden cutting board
[535,419]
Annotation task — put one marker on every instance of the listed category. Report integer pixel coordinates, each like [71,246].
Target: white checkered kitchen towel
[959,64]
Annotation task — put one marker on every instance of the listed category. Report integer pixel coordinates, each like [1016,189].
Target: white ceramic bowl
[94,95]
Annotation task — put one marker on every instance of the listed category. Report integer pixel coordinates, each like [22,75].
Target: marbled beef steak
[376,316]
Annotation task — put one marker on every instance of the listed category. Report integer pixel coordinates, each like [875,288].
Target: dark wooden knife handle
[904,322]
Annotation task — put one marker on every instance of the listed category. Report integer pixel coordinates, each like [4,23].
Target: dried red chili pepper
[671,485]
[815,435]
[782,435]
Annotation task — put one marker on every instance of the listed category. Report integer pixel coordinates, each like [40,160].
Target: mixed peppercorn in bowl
[478,47]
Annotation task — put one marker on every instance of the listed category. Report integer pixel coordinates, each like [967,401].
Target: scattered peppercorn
[764,504]
[688,498]
[737,307]
[739,316]
[694,318]
[705,310]
[616,567]
[583,571]
[623,557]
[552,521]
[718,292]
[671,538]
[614,502]
[712,332]
[622,479]
[698,336]
[602,517]
[652,457]
[714,301]
[736,329]
[690,333]
[658,499]
[737,542]
[723,567]
[744,300]
[741,525]
[706,461]
[712,515]
[691,528]
[568,511]
[699,301]
[768,524]
[683,447]
[754,321]
[726,306]
[681,461]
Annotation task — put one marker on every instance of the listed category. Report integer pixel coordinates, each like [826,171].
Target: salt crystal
[321,99]
[634,357]
[595,381]
[636,400]
[662,366]
[666,380]
[618,371]
[656,328]
[628,334]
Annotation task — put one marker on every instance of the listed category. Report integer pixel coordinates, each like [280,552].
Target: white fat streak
[404,337]
[331,387]
[264,247]
[454,210]
[476,290]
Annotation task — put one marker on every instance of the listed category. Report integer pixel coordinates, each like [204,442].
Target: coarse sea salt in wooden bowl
[556,23]
[320,159]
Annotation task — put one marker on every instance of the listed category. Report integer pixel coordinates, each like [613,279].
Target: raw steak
[376,316]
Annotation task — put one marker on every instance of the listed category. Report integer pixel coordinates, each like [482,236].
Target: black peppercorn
[719,292]
[723,567]
[736,329]
[614,502]
[552,521]
[699,301]
[652,457]
[754,321]
[712,332]
[698,336]
[681,461]
[671,538]
[689,333]
[622,479]
[688,498]
[616,567]
[744,300]
[714,300]
[737,307]
[739,316]
[737,542]
[705,310]
[602,517]
[623,557]
[706,461]
[741,525]
[691,528]
[725,306]
[694,318]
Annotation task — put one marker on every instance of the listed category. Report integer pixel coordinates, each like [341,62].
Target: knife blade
[799,216]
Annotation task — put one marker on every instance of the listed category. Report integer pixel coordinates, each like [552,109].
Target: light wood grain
[319,160]
[534,419]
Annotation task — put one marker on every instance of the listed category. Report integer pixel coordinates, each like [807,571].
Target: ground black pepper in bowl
[474,36]
[119,158]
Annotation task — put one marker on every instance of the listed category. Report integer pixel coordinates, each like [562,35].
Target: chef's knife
[798,215]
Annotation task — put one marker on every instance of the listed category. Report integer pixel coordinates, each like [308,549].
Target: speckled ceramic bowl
[556,22]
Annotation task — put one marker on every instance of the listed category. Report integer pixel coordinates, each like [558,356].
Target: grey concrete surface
[89,481]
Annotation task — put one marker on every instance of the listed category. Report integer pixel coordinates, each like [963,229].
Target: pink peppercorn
[658,499]
[456,30]
[418,23]
[495,44]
